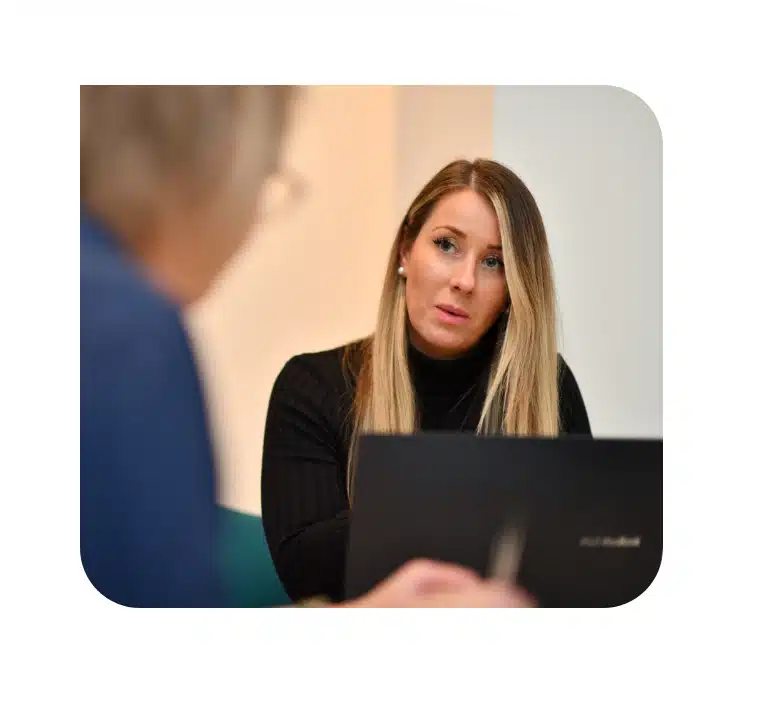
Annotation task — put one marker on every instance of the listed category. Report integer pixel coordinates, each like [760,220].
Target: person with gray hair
[169,181]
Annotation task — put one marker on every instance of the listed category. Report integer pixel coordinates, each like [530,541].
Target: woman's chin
[444,346]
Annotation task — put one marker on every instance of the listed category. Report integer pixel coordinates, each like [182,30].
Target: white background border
[683,639]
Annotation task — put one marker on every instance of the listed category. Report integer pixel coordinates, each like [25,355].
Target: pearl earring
[401,270]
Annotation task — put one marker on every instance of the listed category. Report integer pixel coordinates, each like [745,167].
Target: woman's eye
[493,263]
[445,244]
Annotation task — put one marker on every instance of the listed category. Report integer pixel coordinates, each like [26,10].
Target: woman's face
[455,283]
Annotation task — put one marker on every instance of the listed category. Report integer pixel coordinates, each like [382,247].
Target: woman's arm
[304,501]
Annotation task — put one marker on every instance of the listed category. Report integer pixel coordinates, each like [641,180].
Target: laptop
[589,511]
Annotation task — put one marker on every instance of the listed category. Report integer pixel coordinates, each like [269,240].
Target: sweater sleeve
[573,415]
[148,524]
[304,501]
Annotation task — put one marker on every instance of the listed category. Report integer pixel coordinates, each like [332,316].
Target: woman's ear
[404,255]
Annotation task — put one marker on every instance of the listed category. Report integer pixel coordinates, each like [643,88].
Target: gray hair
[206,149]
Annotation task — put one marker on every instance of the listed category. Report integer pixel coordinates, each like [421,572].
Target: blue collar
[94,232]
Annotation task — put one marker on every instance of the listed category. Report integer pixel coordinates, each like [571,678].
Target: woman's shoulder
[334,368]
[566,380]
[573,413]
[562,366]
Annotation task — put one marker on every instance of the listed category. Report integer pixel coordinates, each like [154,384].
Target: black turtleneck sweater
[305,451]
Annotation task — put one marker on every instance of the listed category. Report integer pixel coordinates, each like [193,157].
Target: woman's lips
[451,314]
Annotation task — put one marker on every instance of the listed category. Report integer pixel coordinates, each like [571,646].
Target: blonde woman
[465,340]
[169,179]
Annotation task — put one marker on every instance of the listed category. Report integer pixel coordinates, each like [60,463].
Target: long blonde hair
[522,393]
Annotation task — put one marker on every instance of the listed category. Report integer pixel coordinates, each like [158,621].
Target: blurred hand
[428,584]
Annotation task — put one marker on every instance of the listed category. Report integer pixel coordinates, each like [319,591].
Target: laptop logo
[621,542]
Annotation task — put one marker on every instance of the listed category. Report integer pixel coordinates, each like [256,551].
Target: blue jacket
[147,482]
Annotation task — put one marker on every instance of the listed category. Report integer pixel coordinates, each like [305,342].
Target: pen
[506,555]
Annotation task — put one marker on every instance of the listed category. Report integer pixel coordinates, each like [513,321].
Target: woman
[465,340]
[169,177]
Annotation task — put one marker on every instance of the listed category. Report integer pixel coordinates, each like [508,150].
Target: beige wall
[311,279]
[434,125]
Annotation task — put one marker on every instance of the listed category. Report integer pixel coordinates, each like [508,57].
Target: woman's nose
[463,277]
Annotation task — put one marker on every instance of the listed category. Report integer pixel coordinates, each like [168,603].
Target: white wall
[592,158]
